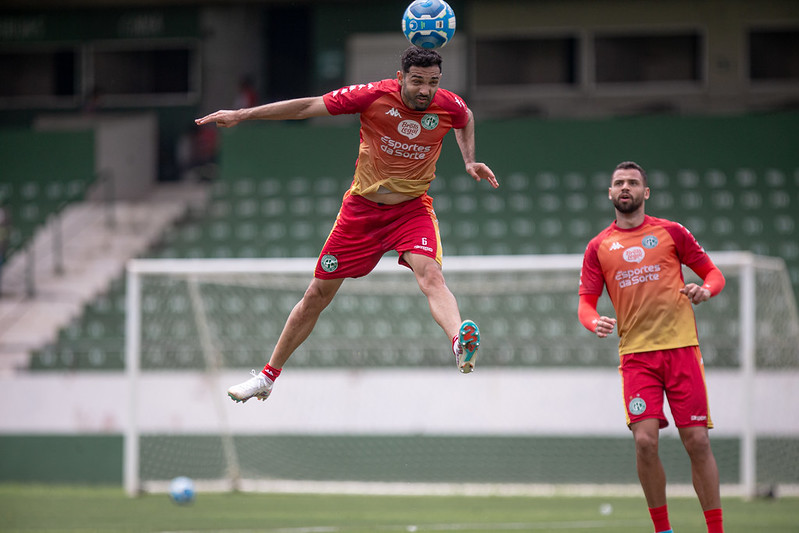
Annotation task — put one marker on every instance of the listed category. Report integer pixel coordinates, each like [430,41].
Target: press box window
[526,61]
[38,75]
[145,75]
[648,58]
[774,55]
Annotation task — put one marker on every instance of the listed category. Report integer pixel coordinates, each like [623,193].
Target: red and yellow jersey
[642,269]
[399,146]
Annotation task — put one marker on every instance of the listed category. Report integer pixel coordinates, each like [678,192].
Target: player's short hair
[414,56]
[632,165]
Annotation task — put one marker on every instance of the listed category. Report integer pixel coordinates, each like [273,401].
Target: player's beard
[630,207]
[415,104]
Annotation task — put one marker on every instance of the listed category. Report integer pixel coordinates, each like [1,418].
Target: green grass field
[40,508]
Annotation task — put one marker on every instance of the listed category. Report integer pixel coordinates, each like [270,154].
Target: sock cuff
[659,511]
[271,373]
[713,513]
[715,524]
[660,518]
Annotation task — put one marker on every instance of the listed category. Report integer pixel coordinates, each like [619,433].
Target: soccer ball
[428,23]
[181,490]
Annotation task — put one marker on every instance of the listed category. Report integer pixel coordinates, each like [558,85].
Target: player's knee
[430,278]
[697,443]
[646,445]
[317,298]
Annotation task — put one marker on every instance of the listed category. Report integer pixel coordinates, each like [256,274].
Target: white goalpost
[372,402]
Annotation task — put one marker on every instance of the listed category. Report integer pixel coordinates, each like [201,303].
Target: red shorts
[679,373]
[364,231]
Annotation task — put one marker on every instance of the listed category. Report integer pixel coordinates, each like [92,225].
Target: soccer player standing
[639,259]
[403,124]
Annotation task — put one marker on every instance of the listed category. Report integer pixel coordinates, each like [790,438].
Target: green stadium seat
[299,186]
[243,187]
[270,187]
[574,181]
[576,202]
[327,207]
[722,200]
[688,179]
[246,208]
[220,188]
[464,205]
[301,207]
[221,208]
[300,230]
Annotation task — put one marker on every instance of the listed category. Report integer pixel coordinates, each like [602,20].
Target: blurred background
[101,163]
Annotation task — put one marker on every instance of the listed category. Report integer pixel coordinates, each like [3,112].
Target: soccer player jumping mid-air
[403,124]
[639,258]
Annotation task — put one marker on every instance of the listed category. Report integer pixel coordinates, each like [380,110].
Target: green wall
[61,458]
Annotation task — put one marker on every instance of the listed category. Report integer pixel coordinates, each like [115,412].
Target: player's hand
[695,293]
[604,326]
[224,118]
[480,171]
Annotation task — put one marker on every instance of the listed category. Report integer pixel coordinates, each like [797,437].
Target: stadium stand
[43,173]
[93,256]
[733,181]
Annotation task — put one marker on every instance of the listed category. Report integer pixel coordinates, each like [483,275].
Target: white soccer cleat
[258,386]
[465,346]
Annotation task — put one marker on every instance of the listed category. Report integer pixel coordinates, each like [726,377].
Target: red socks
[714,522]
[660,518]
[271,373]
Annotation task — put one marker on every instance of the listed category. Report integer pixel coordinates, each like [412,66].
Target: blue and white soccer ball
[181,490]
[429,23]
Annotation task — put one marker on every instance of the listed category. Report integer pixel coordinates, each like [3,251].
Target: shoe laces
[457,349]
[257,381]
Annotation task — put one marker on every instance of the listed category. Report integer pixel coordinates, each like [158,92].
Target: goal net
[372,401]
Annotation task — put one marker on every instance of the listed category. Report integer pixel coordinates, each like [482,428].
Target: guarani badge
[649,242]
[329,263]
[430,121]
[637,406]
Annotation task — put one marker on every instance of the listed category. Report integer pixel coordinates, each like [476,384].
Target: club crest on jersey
[635,254]
[430,121]
[409,128]
[649,242]
[329,263]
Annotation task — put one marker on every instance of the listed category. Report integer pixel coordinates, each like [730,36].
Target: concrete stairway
[94,253]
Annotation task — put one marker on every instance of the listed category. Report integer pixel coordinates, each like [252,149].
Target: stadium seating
[551,201]
[33,187]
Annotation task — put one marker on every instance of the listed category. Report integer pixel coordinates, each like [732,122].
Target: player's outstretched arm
[479,171]
[296,109]
[602,326]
